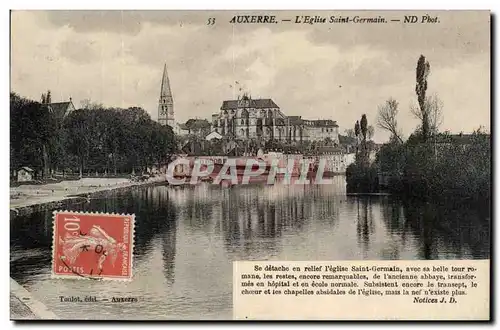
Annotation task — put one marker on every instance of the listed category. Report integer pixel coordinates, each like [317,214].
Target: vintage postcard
[250,165]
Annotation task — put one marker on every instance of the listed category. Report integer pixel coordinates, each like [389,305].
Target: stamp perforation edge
[132,245]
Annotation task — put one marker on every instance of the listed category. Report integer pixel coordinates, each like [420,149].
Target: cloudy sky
[331,71]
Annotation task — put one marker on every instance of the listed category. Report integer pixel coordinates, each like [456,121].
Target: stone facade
[262,119]
[250,119]
[314,130]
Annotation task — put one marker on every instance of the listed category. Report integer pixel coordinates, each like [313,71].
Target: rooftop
[197,124]
[248,103]
[455,138]
[297,120]
[60,108]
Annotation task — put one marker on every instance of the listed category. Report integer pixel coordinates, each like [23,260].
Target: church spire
[166,102]
[165,84]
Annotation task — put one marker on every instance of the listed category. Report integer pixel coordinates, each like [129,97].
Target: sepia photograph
[151,151]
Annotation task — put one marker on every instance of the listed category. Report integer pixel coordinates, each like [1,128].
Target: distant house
[231,148]
[61,109]
[25,174]
[182,129]
[192,146]
[198,127]
[445,141]
[213,135]
[453,139]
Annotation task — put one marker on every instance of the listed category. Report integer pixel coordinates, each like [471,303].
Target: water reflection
[456,232]
[187,237]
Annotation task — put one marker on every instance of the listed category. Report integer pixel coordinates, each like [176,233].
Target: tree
[387,119]
[370,131]
[46,98]
[88,104]
[94,138]
[422,72]
[32,126]
[357,132]
[434,109]
[364,126]
[78,142]
[350,133]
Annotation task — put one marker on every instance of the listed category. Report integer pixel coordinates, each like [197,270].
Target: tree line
[429,163]
[93,139]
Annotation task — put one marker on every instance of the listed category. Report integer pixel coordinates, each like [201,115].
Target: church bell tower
[166,102]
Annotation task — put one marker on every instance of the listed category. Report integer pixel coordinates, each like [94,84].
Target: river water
[187,237]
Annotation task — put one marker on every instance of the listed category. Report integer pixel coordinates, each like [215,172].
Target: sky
[319,71]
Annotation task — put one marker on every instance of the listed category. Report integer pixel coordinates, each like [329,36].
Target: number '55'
[211,21]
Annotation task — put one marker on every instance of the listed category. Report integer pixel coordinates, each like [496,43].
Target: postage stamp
[92,245]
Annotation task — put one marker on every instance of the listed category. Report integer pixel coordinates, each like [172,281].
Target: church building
[262,119]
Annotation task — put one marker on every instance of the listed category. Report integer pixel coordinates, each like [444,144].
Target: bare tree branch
[350,133]
[386,119]
[434,109]
[370,132]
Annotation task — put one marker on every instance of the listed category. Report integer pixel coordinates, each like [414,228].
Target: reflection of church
[248,118]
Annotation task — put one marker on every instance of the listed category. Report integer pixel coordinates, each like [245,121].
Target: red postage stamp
[92,245]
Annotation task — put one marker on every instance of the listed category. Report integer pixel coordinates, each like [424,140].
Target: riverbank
[24,306]
[27,199]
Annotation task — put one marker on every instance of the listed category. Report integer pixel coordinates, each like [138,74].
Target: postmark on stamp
[92,245]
